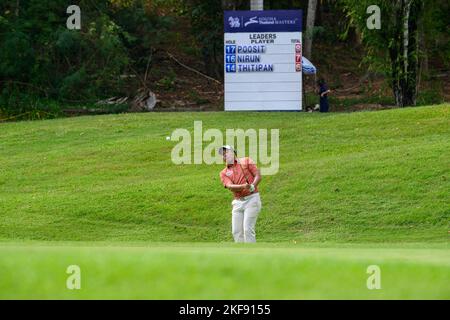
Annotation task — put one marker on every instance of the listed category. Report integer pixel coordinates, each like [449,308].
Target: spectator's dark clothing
[324,106]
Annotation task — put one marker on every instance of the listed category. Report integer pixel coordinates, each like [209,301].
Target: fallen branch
[192,69]
[14,117]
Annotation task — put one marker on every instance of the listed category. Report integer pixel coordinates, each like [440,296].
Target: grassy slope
[380,176]
[201,271]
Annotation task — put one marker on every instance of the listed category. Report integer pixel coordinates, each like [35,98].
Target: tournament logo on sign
[234,22]
[251,21]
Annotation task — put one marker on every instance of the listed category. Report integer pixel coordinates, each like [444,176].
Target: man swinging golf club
[241,176]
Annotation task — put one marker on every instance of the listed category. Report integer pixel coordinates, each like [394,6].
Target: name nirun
[249,59]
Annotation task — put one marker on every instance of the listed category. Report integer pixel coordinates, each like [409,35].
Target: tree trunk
[413,56]
[404,52]
[256,4]
[311,16]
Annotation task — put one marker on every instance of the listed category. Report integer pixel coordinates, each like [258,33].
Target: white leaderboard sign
[263,60]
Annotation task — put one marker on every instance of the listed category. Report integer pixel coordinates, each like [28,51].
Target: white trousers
[244,216]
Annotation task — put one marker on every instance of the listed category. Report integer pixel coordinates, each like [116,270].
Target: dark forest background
[130,52]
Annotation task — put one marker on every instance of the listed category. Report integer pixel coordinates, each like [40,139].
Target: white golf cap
[226,147]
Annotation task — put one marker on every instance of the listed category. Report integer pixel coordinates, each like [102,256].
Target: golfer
[241,176]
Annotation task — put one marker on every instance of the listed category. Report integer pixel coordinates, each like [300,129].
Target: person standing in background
[323,93]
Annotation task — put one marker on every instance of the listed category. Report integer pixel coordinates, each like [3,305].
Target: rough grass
[361,177]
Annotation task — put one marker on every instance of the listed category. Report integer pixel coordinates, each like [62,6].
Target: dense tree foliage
[398,47]
[42,63]
[44,66]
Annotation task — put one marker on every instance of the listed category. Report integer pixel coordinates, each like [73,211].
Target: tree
[396,41]
[310,19]
[43,64]
[257,4]
[404,52]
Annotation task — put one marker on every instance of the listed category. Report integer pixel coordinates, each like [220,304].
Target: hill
[362,177]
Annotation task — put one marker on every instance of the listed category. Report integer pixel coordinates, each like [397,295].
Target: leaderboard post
[263,60]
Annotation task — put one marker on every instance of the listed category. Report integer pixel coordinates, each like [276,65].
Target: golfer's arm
[236,187]
[257,179]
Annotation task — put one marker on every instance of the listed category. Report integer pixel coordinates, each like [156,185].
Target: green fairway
[368,176]
[208,271]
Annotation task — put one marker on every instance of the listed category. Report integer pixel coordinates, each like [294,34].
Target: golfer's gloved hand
[252,188]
